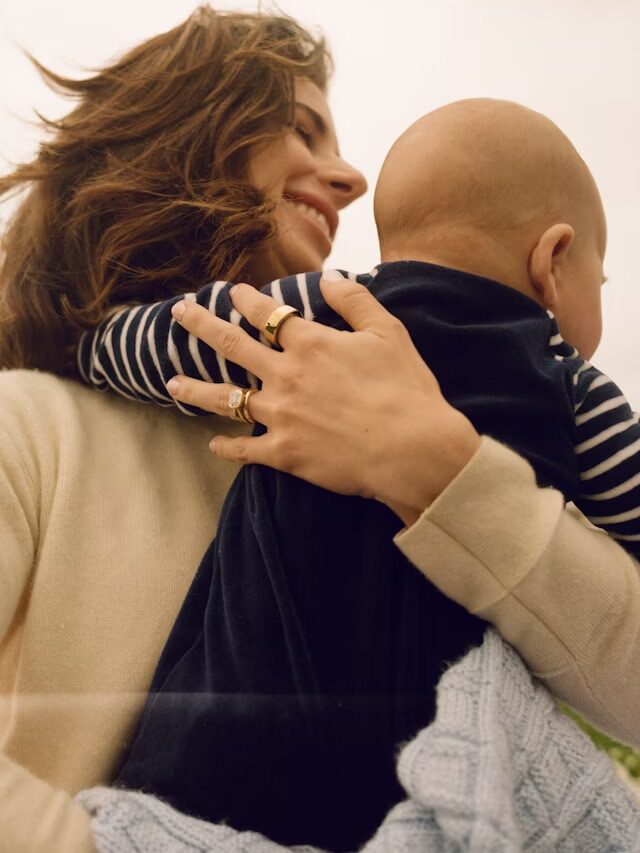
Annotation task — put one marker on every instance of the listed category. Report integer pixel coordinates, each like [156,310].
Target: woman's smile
[304,173]
[303,218]
[308,211]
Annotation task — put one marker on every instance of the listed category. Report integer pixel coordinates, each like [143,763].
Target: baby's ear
[547,260]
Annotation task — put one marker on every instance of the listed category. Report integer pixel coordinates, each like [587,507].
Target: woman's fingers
[362,311]
[257,307]
[227,339]
[355,304]
[212,397]
[257,450]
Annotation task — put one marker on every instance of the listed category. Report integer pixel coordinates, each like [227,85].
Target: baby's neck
[468,256]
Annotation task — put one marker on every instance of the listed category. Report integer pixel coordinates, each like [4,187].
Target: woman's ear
[547,260]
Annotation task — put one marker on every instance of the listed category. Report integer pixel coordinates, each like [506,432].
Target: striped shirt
[139,348]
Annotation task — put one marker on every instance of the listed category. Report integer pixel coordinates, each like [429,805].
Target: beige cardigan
[106,507]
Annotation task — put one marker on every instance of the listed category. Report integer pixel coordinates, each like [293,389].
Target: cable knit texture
[500,769]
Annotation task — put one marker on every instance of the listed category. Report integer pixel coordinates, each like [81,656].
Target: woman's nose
[346,182]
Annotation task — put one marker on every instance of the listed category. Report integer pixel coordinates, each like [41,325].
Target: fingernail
[212,445]
[233,290]
[178,310]
[332,275]
[173,385]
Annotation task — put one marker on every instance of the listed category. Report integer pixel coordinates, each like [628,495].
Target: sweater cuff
[486,530]
[37,818]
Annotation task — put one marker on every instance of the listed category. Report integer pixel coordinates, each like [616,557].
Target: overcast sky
[577,61]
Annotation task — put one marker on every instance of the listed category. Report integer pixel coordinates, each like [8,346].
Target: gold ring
[238,400]
[276,320]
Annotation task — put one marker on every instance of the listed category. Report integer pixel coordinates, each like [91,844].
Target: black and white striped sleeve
[139,348]
[607,447]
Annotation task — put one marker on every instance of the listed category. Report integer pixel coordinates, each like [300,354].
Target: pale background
[578,61]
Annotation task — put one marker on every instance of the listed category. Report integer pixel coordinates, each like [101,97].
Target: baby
[309,640]
[510,201]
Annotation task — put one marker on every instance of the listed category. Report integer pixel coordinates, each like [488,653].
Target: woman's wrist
[429,465]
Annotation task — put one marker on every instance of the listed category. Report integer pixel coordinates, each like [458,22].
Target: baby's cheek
[588,336]
[596,335]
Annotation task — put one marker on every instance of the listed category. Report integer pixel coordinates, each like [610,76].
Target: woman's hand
[354,412]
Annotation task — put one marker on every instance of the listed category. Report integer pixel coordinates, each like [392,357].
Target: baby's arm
[139,348]
[607,449]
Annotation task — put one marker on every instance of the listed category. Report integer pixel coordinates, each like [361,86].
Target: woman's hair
[141,191]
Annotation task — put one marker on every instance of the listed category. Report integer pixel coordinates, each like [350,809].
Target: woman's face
[303,173]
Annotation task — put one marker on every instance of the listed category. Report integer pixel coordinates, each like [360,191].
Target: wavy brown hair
[140,192]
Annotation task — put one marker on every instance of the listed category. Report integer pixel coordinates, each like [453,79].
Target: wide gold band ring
[238,400]
[276,320]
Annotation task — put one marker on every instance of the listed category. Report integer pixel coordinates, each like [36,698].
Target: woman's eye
[304,134]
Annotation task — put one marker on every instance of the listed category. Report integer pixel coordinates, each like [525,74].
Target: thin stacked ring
[238,400]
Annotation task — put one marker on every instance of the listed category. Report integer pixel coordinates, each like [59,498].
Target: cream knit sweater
[106,507]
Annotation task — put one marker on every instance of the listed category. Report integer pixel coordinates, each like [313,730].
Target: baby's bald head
[481,169]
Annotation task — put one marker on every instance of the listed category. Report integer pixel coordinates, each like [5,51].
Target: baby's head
[493,188]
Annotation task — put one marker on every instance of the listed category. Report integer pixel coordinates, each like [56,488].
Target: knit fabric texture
[500,770]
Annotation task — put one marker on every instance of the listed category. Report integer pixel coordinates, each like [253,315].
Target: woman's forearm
[564,594]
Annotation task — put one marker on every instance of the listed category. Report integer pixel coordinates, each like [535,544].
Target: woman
[143,193]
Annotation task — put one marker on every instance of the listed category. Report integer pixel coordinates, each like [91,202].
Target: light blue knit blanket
[499,770]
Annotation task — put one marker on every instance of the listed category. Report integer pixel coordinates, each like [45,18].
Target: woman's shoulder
[45,409]
[61,433]
[42,407]
[54,397]
[33,384]
[26,390]
[41,398]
